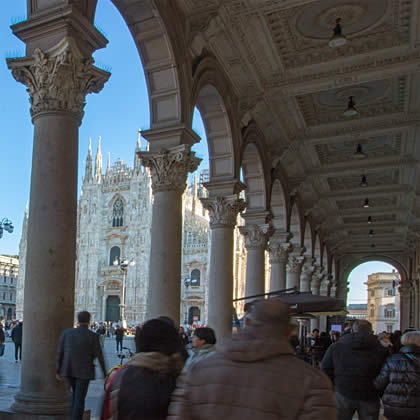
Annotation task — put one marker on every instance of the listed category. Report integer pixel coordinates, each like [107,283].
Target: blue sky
[115,114]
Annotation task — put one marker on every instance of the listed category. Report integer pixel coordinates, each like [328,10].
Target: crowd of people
[254,374]
[14,330]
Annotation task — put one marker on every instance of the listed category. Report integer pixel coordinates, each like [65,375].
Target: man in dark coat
[353,363]
[17,339]
[119,337]
[77,350]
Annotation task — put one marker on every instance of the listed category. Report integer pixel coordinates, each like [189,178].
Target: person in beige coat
[254,375]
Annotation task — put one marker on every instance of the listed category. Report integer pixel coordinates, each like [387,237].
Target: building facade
[114,220]
[9,268]
[356,311]
[383,309]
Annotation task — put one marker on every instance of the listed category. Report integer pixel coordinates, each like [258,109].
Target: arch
[317,249]
[195,277]
[115,252]
[157,31]
[194,315]
[278,206]
[211,94]
[307,239]
[295,225]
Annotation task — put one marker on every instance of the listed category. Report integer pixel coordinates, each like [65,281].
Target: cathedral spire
[108,166]
[137,160]
[98,162]
[139,140]
[88,168]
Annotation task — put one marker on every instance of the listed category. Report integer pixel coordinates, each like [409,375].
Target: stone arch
[317,249]
[278,206]
[295,225]
[159,39]
[211,94]
[308,239]
[253,164]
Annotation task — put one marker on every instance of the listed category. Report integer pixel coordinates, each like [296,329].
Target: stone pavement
[10,376]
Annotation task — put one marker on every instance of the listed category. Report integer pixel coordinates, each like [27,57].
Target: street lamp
[6,225]
[187,283]
[123,264]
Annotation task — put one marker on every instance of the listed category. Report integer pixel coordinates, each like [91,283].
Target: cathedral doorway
[112,309]
[9,314]
[194,314]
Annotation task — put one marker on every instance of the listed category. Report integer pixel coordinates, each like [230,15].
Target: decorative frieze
[59,79]
[169,168]
[223,211]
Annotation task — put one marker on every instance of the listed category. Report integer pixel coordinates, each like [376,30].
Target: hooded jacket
[399,381]
[253,376]
[352,363]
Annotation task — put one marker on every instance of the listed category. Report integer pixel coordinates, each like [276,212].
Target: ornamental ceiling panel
[376,219]
[373,147]
[301,33]
[374,179]
[373,202]
[375,98]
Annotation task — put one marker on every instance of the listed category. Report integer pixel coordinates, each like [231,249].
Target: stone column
[315,289]
[58,81]
[404,291]
[324,290]
[169,170]
[223,213]
[278,253]
[306,277]
[294,268]
[256,237]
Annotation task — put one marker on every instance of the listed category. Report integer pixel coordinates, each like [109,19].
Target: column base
[36,404]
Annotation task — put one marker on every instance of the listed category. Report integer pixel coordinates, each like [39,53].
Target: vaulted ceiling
[296,87]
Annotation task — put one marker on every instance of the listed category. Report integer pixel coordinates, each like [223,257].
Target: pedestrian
[2,339]
[399,380]
[353,363]
[119,337]
[254,375]
[335,336]
[17,339]
[183,335]
[77,350]
[203,344]
[143,387]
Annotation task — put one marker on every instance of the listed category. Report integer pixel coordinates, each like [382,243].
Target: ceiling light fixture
[351,110]
[366,205]
[364,183]
[338,39]
[371,233]
[369,220]
[358,154]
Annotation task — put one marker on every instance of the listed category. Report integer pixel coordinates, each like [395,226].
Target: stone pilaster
[256,238]
[57,81]
[169,170]
[223,212]
[279,253]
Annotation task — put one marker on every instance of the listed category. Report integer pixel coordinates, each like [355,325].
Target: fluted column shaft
[278,259]
[223,212]
[169,170]
[58,81]
[255,243]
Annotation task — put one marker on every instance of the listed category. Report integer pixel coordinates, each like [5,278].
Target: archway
[9,314]
[194,315]
[112,309]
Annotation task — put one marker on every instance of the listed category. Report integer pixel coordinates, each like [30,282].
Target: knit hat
[158,336]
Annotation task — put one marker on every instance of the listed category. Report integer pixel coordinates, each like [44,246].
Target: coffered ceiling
[296,87]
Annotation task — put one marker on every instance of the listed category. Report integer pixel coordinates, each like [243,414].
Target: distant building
[383,302]
[357,311]
[9,268]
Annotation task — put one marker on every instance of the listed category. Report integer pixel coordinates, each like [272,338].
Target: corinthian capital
[295,264]
[256,236]
[308,270]
[223,211]
[279,253]
[58,79]
[170,168]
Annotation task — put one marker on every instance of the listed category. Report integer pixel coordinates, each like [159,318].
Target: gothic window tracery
[117,213]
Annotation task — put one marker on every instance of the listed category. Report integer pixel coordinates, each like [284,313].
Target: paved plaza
[10,376]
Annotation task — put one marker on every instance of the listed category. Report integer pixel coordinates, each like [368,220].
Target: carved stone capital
[308,270]
[223,211]
[278,252]
[404,290]
[295,264]
[59,79]
[256,236]
[169,168]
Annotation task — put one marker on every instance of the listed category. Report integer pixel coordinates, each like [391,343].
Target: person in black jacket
[119,337]
[17,339]
[77,350]
[353,363]
[399,380]
[144,385]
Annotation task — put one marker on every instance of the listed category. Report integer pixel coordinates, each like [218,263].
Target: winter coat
[2,336]
[196,355]
[17,334]
[253,376]
[399,381]
[144,386]
[352,363]
[119,334]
